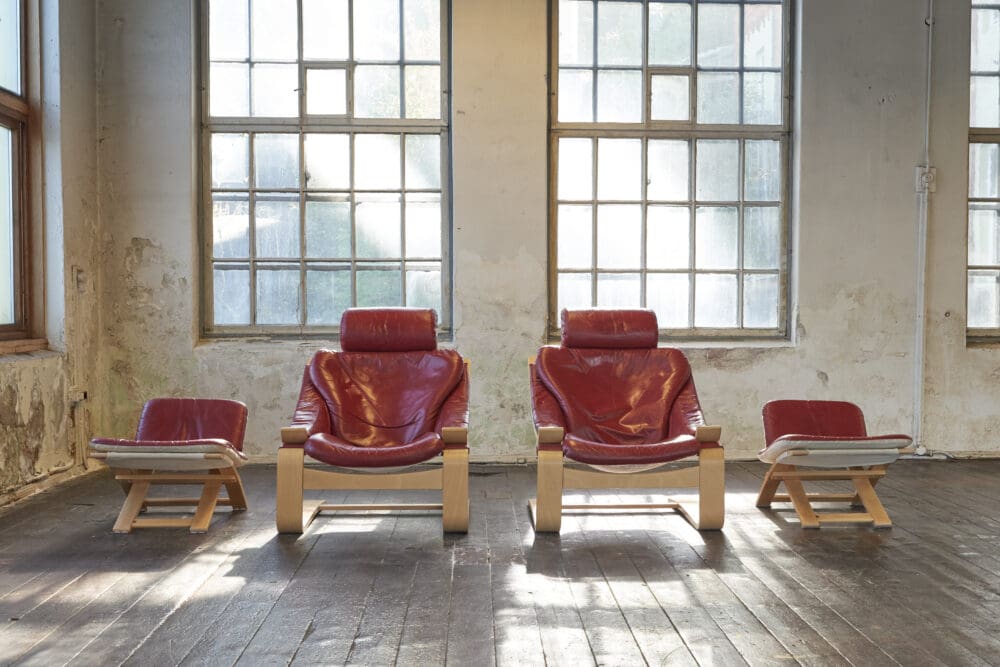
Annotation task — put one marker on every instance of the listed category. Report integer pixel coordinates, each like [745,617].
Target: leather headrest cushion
[388,330]
[609,329]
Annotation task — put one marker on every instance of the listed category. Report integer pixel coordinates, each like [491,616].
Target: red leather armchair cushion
[382,402]
[177,420]
[633,404]
[609,329]
[388,330]
[820,418]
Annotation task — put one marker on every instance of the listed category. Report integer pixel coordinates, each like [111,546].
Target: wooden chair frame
[294,513]
[709,477]
[137,484]
[863,478]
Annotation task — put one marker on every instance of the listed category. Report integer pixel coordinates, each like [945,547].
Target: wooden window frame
[691,131]
[14,115]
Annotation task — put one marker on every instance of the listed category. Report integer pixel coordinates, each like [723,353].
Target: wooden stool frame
[137,484]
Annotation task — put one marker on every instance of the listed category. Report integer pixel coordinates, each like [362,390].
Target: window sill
[23,345]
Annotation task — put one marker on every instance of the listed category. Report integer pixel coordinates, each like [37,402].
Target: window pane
[575,237]
[229,90]
[423,91]
[718,98]
[231,295]
[376,30]
[715,300]
[328,294]
[376,91]
[325,31]
[326,92]
[276,160]
[984,299]
[761,237]
[423,226]
[619,33]
[230,226]
[423,286]
[379,287]
[275,91]
[762,172]
[718,35]
[576,32]
[576,96]
[328,161]
[669,34]
[619,96]
[716,237]
[379,226]
[576,169]
[376,162]
[762,98]
[276,225]
[760,301]
[230,160]
[668,295]
[619,236]
[762,36]
[670,97]
[718,169]
[278,296]
[328,227]
[619,169]
[574,291]
[984,101]
[422,29]
[275,30]
[984,234]
[984,170]
[667,171]
[228,29]
[619,290]
[7,315]
[667,237]
[985,50]
[423,161]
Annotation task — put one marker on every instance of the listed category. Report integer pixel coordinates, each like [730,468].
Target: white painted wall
[860,135]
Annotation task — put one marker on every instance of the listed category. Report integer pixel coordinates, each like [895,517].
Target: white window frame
[691,131]
[313,124]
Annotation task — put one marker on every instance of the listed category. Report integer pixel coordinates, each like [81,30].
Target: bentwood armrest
[294,435]
[455,435]
[705,433]
[550,435]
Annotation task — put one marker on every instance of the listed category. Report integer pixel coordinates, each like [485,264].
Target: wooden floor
[611,589]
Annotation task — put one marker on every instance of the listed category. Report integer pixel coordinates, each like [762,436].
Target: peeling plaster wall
[42,430]
[859,128]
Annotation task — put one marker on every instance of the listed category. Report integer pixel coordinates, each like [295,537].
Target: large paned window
[13,172]
[984,172]
[669,143]
[325,161]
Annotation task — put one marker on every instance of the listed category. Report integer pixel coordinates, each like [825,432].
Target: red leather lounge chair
[389,398]
[830,435]
[179,441]
[609,398]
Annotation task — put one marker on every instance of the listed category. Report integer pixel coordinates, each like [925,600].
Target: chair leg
[234,488]
[291,462]
[770,485]
[866,492]
[711,489]
[131,507]
[455,491]
[548,507]
[797,494]
[206,506]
